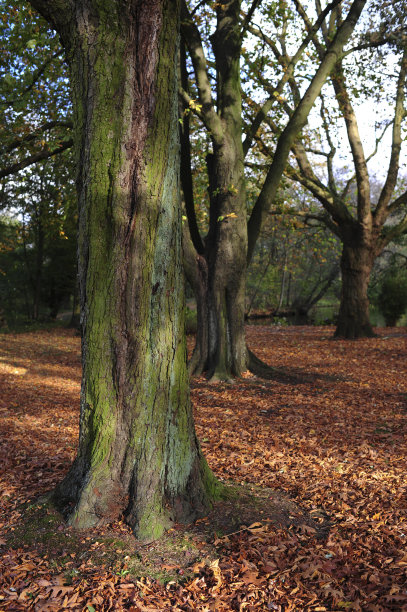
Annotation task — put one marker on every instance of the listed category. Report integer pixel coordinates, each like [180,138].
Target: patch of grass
[42,528]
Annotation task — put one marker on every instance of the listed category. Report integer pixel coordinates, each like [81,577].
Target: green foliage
[37,203]
[34,88]
[392,299]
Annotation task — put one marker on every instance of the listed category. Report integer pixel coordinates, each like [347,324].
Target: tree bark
[138,452]
[226,250]
[356,266]
[218,277]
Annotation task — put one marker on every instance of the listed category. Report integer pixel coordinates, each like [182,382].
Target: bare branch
[349,182]
[395,205]
[288,65]
[32,159]
[193,42]
[186,170]
[332,149]
[297,122]
[37,74]
[392,173]
[248,17]
[323,218]
[358,154]
[393,232]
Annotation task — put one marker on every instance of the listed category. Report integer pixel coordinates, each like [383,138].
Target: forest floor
[329,452]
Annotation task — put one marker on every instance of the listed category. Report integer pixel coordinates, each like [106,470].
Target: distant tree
[42,198]
[36,188]
[364,221]
[217,263]
[14,283]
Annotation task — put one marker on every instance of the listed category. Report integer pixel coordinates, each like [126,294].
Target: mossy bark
[138,453]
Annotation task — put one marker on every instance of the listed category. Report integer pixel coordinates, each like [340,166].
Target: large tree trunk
[220,349]
[353,320]
[138,453]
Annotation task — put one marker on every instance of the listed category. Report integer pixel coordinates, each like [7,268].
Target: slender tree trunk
[75,315]
[353,320]
[39,259]
[30,300]
[138,452]
[196,269]
[282,287]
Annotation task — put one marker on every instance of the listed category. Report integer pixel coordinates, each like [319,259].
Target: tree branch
[345,190]
[359,160]
[393,232]
[288,65]
[402,199]
[186,172]
[380,212]
[248,17]
[32,159]
[58,13]
[297,122]
[193,42]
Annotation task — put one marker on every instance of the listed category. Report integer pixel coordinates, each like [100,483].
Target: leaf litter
[325,459]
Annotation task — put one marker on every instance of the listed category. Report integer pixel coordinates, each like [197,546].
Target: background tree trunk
[353,320]
[226,252]
[221,349]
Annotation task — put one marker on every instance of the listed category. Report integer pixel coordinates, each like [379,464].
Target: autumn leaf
[344,539]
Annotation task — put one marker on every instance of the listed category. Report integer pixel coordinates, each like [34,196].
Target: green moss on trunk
[138,454]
